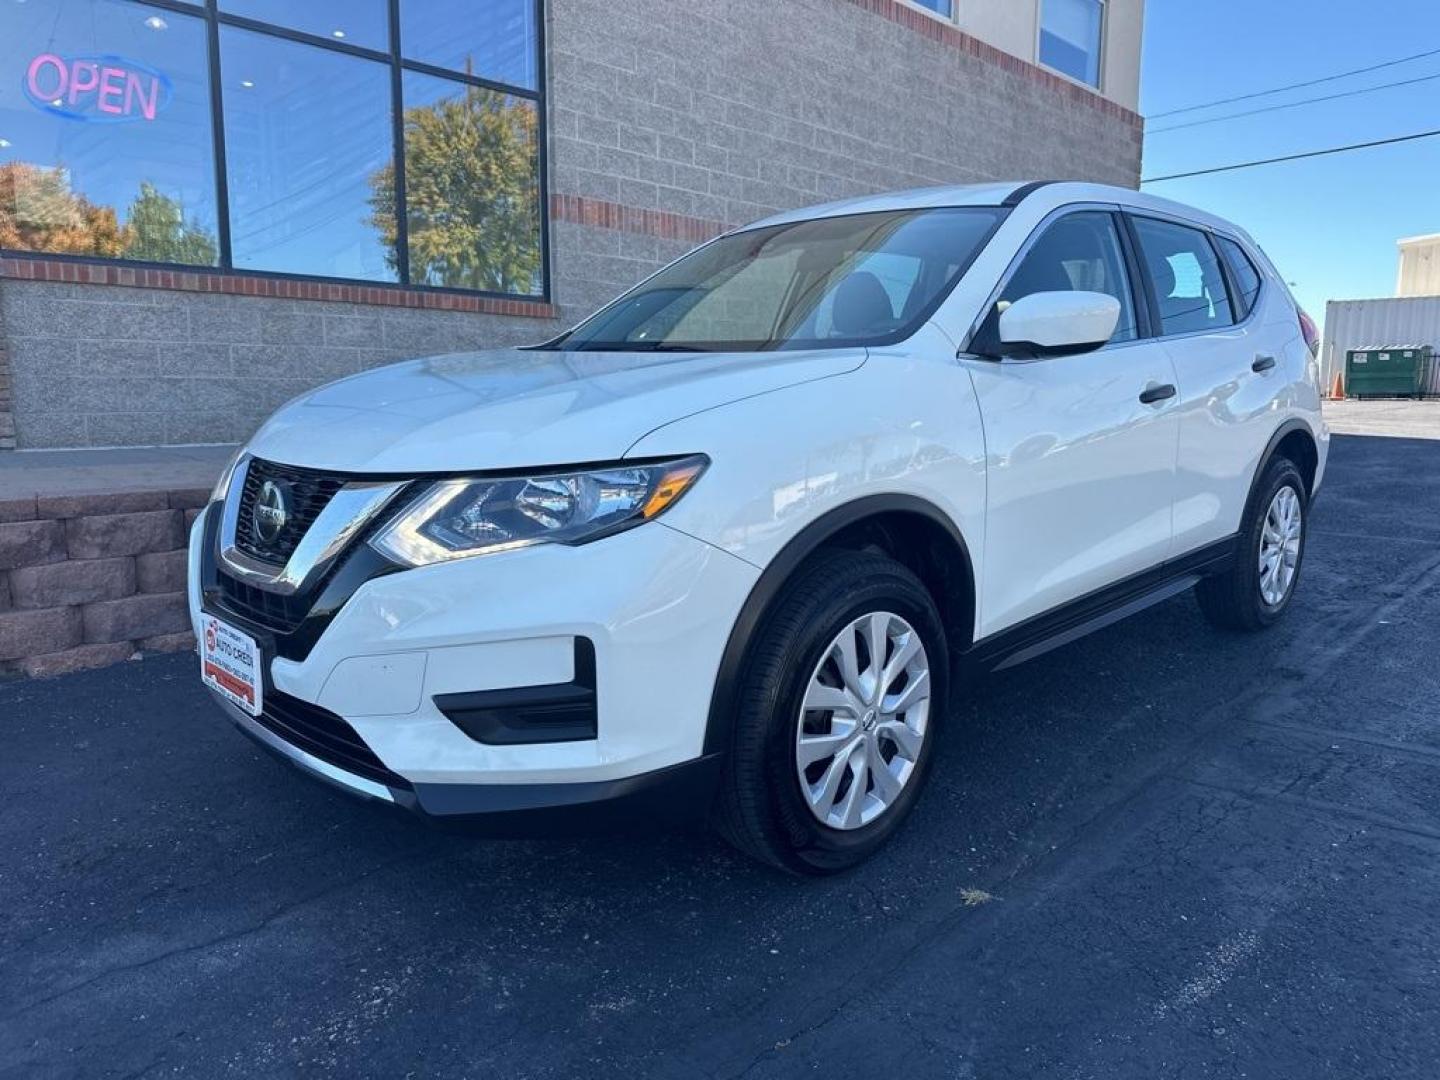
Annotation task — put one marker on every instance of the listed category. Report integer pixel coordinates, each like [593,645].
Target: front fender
[906,423]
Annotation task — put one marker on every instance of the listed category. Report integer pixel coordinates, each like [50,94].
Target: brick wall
[90,580]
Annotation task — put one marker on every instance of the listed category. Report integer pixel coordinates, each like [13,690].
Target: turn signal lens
[672,485]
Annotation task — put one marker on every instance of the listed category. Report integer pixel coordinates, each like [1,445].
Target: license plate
[230,664]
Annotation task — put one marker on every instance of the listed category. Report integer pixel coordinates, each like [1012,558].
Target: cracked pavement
[1159,852]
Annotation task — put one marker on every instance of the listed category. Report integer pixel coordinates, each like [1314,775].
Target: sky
[1329,224]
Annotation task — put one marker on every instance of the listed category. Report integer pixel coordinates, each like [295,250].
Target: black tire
[760,808]
[1233,600]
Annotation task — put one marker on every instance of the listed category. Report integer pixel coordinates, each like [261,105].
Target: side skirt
[1097,610]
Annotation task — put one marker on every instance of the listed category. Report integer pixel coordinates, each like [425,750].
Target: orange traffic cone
[1337,392]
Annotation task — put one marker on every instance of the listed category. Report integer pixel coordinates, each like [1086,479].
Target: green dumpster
[1393,371]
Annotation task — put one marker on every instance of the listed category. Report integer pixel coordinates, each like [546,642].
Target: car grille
[326,736]
[279,613]
[310,492]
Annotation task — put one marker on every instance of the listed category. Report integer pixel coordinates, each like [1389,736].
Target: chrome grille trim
[348,512]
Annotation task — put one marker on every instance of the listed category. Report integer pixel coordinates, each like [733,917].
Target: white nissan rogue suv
[729,545]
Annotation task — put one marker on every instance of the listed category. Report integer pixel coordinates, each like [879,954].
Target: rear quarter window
[1247,278]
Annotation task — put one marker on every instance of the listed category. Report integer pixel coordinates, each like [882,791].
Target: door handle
[1262,363]
[1151,395]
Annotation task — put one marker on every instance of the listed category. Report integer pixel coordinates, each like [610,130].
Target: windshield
[863,279]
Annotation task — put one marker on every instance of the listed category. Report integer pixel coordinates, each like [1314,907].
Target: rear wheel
[1256,591]
[840,702]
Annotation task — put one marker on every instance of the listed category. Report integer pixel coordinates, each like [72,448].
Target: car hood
[517,408]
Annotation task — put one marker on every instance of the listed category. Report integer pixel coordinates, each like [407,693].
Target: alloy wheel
[863,722]
[1280,546]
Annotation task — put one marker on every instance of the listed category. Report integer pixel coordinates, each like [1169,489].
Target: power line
[1295,86]
[1295,104]
[1294,157]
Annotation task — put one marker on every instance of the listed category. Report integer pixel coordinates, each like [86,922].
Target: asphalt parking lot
[1159,852]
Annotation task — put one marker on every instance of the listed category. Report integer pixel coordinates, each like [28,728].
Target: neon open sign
[96,89]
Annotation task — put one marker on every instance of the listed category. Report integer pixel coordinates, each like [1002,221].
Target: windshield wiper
[642,346]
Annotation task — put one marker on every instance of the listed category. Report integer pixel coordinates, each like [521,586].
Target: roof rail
[1024,191]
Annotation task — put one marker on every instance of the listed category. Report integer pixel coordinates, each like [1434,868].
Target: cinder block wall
[667,124]
[105,365]
[91,580]
[725,111]
[7,415]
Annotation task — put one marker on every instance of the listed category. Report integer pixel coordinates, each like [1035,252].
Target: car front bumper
[679,795]
[653,605]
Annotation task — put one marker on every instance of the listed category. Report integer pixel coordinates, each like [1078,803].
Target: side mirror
[1058,323]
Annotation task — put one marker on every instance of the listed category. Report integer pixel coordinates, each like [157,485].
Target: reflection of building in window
[1189,278]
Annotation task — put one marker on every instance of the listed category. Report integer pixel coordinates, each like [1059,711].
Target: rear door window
[1185,272]
[1247,279]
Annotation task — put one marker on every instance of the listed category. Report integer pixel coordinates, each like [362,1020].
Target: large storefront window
[108,146]
[105,133]
[299,177]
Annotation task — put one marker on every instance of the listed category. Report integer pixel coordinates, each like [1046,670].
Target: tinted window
[857,279]
[1080,252]
[1186,274]
[1247,278]
[472,187]
[1070,37]
[358,22]
[307,185]
[494,40]
[105,133]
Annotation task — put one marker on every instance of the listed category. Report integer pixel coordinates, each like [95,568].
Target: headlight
[454,519]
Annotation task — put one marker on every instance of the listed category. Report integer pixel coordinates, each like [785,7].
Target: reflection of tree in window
[39,211]
[158,232]
[471,193]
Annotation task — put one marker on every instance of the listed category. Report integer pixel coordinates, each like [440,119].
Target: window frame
[209,12]
[1145,325]
[949,20]
[1102,48]
[1131,214]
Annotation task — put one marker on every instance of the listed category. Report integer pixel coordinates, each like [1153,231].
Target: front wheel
[840,704]
[1256,591]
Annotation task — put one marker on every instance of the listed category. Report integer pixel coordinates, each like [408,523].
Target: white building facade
[1419,273]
